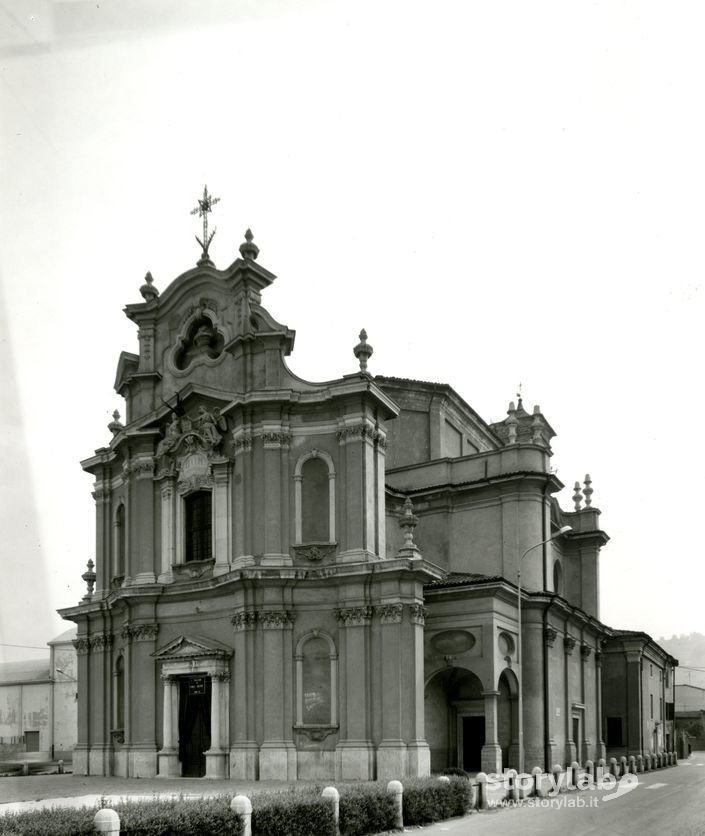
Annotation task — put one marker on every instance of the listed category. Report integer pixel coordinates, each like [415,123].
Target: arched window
[120,693]
[120,541]
[315,498]
[558,578]
[198,526]
[316,674]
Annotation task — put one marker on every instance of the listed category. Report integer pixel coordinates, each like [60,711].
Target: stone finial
[248,249]
[89,577]
[512,423]
[536,426]
[577,497]
[363,351]
[408,522]
[587,490]
[148,290]
[115,426]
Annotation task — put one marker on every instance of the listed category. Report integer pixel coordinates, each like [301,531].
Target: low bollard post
[481,779]
[614,769]
[536,774]
[242,806]
[639,763]
[590,769]
[107,821]
[623,765]
[512,788]
[60,768]
[25,768]
[396,791]
[647,763]
[632,764]
[573,781]
[444,779]
[332,796]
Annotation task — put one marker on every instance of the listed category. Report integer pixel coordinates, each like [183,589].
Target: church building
[322,580]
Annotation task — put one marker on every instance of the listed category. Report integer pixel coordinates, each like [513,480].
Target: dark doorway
[576,738]
[194,724]
[31,739]
[473,741]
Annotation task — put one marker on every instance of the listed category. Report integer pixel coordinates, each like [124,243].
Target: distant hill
[689,649]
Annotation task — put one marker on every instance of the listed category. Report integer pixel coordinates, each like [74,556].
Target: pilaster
[491,755]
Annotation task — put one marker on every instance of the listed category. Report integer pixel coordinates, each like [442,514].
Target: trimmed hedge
[205,817]
[293,812]
[428,800]
[365,808]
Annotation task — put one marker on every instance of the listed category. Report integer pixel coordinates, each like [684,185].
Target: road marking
[655,786]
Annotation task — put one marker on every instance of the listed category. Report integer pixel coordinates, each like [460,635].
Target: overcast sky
[499,192]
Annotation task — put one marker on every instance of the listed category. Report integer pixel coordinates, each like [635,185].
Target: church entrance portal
[473,741]
[194,724]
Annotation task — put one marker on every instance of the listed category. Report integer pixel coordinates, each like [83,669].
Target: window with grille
[198,533]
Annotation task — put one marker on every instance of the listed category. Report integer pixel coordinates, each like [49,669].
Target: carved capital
[585,651]
[389,613]
[242,442]
[101,642]
[140,632]
[568,644]
[221,676]
[550,635]
[245,620]
[353,616]
[275,619]
[82,645]
[418,613]
[276,440]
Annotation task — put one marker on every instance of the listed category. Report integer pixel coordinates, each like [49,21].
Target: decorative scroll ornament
[568,644]
[585,651]
[204,208]
[317,734]
[315,552]
[550,635]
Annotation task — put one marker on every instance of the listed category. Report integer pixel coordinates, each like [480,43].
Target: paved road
[667,802]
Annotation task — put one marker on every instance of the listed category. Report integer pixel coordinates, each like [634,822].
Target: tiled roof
[463,579]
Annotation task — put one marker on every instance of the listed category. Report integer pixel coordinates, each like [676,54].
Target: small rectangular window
[651,705]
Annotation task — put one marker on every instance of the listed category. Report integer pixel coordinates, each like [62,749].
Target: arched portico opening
[455,720]
[508,718]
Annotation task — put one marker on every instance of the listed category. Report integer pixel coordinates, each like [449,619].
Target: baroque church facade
[319,580]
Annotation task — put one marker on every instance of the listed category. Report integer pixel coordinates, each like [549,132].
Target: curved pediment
[193,647]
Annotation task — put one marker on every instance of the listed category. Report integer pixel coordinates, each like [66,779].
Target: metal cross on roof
[205,205]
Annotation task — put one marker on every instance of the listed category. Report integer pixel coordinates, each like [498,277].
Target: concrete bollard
[242,806]
[573,779]
[623,766]
[107,821]
[639,763]
[632,764]
[512,788]
[614,769]
[601,765]
[536,774]
[25,768]
[647,763]
[444,778]
[557,772]
[481,779]
[590,769]
[396,791]
[332,796]
[60,768]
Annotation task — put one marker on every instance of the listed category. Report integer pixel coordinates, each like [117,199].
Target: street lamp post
[520,657]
